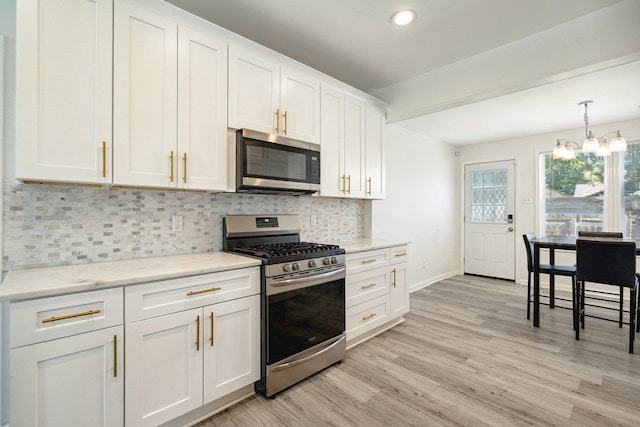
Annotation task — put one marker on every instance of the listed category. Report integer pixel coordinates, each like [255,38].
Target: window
[591,193]
[489,196]
[574,194]
[631,191]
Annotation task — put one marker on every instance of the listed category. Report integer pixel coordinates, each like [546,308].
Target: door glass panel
[489,196]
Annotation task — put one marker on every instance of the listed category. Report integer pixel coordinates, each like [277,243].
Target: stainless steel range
[303,297]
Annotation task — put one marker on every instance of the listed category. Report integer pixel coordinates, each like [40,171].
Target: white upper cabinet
[202,111]
[266,97]
[145,90]
[169,103]
[343,145]
[63,84]
[374,153]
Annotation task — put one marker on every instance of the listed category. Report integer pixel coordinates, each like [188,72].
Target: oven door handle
[310,357]
[307,279]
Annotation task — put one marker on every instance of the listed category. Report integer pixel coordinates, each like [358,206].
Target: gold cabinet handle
[184,178]
[202,291]
[368,261]
[399,254]
[349,187]
[115,356]
[370,285]
[70,316]
[198,333]
[394,277]
[277,120]
[171,166]
[344,183]
[369,316]
[211,316]
[104,159]
[369,182]
[285,122]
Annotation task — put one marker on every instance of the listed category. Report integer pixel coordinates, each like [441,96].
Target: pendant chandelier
[565,149]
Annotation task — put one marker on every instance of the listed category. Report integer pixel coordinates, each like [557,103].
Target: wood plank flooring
[466,355]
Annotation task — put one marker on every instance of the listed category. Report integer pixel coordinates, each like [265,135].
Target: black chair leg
[576,309]
[582,304]
[632,320]
[621,307]
[529,296]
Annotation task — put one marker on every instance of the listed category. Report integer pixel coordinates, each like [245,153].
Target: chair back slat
[607,234]
[528,238]
[605,261]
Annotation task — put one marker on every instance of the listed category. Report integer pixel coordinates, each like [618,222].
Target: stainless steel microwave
[273,164]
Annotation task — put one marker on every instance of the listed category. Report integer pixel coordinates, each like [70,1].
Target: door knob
[510,229]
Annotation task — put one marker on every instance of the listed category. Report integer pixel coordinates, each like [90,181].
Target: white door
[72,381]
[63,88]
[489,239]
[231,346]
[254,92]
[164,368]
[202,111]
[300,105]
[144,97]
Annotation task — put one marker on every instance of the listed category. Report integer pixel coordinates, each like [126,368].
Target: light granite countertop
[42,282]
[368,244]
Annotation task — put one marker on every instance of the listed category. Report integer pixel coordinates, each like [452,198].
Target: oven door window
[302,318]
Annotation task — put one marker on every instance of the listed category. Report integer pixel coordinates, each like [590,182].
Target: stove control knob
[312,263]
[334,260]
[326,261]
[296,266]
[286,267]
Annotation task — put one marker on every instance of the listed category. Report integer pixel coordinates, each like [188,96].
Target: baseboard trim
[432,280]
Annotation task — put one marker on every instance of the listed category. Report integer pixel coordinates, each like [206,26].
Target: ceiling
[355,42]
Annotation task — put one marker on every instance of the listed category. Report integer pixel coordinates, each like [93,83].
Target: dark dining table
[552,243]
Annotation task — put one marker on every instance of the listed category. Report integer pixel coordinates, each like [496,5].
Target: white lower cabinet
[180,361]
[67,360]
[73,381]
[377,293]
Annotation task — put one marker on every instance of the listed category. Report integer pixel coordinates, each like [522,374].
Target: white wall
[526,151]
[421,204]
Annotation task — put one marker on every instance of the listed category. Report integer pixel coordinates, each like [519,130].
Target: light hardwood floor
[466,355]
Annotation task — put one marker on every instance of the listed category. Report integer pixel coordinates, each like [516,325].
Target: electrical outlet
[176,223]
[313,220]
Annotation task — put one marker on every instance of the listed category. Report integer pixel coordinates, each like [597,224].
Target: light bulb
[403,17]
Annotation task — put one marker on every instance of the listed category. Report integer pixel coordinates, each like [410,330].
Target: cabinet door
[164,367]
[63,83]
[399,290]
[254,92]
[332,143]
[354,134]
[300,106]
[73,381]
[145,90]
[232,350]
[374,153]
[202,111]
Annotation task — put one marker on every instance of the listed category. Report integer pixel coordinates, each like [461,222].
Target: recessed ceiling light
[403,17]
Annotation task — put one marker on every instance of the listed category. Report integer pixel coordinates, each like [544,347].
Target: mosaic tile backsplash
[48,225]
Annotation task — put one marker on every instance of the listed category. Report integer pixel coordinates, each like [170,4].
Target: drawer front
[170,296]
[364,286]
[367,316]
[364,261]
[399,254]
[46,319]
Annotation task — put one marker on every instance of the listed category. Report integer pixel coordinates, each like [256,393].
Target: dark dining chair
[608,235]
[610,262]
[558,270]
